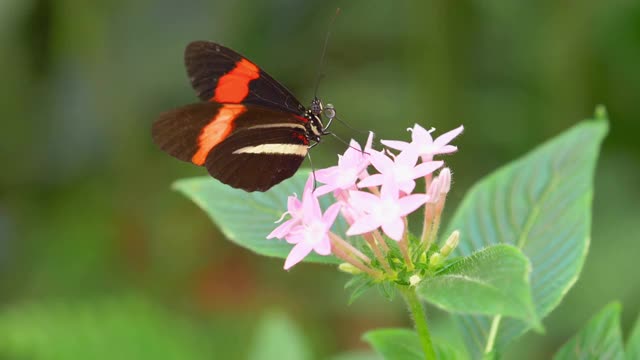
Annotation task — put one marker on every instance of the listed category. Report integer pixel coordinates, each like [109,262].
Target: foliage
[541,204]
[493,281]
[125,328]
[600,338]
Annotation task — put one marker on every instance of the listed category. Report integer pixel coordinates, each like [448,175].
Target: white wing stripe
[269,126]
[284,149]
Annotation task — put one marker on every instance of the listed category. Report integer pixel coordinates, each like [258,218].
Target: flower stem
[337,240]
[435,227]
[380,240]
[420,321]
[379,255]
[427,213]
[429,209]
[404,247]
[342,254]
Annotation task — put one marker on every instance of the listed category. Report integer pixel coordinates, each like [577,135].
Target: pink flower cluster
[368,202]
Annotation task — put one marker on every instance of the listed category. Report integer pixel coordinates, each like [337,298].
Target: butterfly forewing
[219,74]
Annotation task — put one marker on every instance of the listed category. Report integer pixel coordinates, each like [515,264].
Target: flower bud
[444,178]
[450,244]
[414,280]
[434,190]
[349,269]
[435,260]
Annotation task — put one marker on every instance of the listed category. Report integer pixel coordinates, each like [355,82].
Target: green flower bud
[349,269]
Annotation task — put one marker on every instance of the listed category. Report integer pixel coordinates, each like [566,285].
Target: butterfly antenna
[344,142]
[324,50]
[350,127]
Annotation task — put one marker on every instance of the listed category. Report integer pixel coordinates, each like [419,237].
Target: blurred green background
[97,252]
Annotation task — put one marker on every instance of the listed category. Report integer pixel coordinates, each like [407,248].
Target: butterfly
[249,131]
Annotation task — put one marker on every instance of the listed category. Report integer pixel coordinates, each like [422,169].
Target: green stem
[420,321]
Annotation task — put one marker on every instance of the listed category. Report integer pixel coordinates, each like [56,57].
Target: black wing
[245,146]
[220,74]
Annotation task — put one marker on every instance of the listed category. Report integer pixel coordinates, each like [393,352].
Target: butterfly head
[314,114]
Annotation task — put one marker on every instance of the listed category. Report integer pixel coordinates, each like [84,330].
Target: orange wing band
[233,87]
[216,131]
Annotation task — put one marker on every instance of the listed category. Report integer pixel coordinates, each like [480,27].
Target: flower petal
[296,235]
[394,144]
[310,205]
[371,180]
[394,229]
[411,203]
[368,145]
[283,229]
[327,175]
[352,156]
[420,136]
[350,214]
[446,149]
[293,204]
[363,225]
[408,156]
[323,247]
[381,162]
[362,200]
[299,252]
[426,168]
[406,186]
[330,215]
[323,190]
[389,190]
[448,136]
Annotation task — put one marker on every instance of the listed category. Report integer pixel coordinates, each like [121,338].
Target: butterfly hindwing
[256,159]
[177,131]
[246,146]
[221,75]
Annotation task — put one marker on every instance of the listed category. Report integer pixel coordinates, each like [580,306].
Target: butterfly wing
[220,74]
[246,146]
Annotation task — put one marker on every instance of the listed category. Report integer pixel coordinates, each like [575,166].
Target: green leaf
[361,355]
[358,285]
[278,338]
[125,328]
[633,343]
[247,218]
[492,281]
[404,344]
[540,203]
[601,338]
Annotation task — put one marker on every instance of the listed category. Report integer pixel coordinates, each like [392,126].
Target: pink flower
[294,209]
[424,144]
[308,228]
[402,170]
[386,211]
[350,167]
